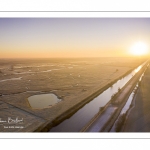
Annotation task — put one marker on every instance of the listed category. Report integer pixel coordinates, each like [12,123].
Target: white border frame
[62,14]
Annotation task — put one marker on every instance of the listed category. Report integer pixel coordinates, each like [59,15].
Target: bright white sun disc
[139,48]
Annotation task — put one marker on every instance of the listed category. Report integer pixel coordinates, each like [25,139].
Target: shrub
[119,89]
[101,108]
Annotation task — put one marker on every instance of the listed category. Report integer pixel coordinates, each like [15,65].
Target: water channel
[78,120]
[128,103]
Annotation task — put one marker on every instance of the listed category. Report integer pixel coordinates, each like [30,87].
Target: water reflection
[136,70]
[78,120]
[43,100]
[11,79]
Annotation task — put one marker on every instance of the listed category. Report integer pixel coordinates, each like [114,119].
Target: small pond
[43,100]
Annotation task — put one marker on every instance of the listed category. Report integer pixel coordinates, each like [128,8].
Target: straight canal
[79,119]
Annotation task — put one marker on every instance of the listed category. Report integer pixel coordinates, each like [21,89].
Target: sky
[71,37]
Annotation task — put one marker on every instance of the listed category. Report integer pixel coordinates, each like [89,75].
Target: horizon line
[72,57]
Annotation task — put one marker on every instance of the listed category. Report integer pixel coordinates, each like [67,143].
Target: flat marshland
[71,80]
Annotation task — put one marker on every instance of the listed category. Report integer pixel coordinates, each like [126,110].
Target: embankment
[48,125]
[138,119]
[122,98]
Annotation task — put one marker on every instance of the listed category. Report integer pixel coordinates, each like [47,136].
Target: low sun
[139,49]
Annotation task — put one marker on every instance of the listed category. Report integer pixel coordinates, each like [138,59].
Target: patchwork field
[72,80]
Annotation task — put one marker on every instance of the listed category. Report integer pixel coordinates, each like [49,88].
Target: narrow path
[102,120]
[105,120]
[138,119]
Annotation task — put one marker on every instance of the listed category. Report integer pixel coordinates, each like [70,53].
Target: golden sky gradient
[71,37]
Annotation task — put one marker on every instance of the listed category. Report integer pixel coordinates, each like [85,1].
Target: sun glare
[139,49]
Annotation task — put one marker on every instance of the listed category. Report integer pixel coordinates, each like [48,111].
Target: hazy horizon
[146,57]
[71,37]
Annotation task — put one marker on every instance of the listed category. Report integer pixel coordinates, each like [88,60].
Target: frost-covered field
[72,80]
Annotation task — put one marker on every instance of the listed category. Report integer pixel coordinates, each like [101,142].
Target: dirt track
[138,119]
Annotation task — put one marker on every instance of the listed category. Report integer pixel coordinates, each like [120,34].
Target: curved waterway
[11,79]
[78,120]
[31,72]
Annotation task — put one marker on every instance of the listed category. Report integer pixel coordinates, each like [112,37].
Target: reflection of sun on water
[139,49]
[136,70]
